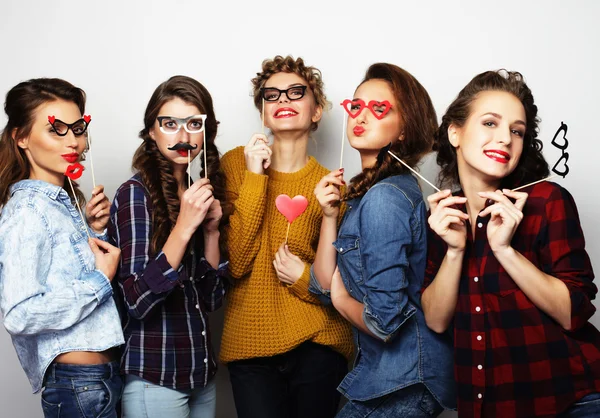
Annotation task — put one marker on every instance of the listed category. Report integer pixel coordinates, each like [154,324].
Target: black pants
[298,384]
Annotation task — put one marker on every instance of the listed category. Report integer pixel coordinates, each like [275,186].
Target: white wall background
[119,51]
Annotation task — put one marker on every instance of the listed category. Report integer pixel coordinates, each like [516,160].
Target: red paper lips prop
[74,171]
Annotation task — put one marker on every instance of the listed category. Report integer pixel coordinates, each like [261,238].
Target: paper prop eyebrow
[560,168]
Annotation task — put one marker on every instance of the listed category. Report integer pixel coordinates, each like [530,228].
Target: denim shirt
[52,297]
[382,250]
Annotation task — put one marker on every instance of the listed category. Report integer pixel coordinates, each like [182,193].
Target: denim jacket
[52,297]
[382,250]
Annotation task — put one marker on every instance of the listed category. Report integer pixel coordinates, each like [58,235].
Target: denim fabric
[586,407]
[412,402]
[382,250]
[143,399]
[52,297]
[82,391]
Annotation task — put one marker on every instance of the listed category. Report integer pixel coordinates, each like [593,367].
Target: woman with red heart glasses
[55,285]
[285,352]
[373,272]
[507,271]
[172,266]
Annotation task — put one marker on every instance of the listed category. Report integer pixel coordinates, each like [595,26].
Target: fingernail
[341,170]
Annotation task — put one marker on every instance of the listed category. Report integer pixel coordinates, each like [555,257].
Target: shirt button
[479,395]
[341,249]
[479,367]
[479,338]
[203,333]
[197,306]
[477,309]
[83,228]
[182,285]
[479,225]
[476,279]
[206,360]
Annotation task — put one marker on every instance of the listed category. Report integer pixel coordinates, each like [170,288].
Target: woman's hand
[97,211]
[328,193]
[289,267]
[107,257]
[258,154]
[446,221]
[506,217]
[194,206]
[213,217]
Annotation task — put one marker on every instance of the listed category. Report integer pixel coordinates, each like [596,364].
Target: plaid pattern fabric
[512,359]
[168,342]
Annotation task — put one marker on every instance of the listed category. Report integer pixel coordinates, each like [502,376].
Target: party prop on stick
[560,168]
[88,119]
[291,208]
[414,171]
[73,172]
[194,124]
[263,115]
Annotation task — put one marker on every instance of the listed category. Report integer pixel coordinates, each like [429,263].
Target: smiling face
[49,154]
[490,143]
[177,108]
[285,114]
[368,133]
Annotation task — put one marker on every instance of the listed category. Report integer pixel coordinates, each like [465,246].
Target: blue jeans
[411,402]
[88,391]
[142,399]
[586,407]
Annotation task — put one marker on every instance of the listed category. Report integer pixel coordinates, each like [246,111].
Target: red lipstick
[71,158]
[358,130]
[284,112]
[497,155]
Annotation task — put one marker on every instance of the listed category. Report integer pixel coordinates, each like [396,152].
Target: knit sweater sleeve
[246,195]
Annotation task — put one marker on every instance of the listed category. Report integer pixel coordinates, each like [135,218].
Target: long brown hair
[532,165]
[419,124]
[20,106]
[157,172]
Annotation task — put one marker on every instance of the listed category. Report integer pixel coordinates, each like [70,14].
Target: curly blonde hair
[288,64]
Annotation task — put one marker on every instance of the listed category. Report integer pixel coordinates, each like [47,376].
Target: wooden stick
[343,139]
[535,182]
[263,116]
[79,208]
[410,168]
[288,232]
[189,169]
[205,163]
[91,158]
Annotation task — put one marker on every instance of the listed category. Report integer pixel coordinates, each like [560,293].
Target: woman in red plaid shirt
[507,271]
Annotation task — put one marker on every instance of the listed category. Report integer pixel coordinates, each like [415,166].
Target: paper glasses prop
[194,124]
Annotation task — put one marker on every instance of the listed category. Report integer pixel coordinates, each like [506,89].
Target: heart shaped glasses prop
[560,168]
[355,107]
[291,208]
[73,172]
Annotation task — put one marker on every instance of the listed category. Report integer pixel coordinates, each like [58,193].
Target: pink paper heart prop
[291,208]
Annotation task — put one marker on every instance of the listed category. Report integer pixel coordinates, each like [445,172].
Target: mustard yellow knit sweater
[265,317]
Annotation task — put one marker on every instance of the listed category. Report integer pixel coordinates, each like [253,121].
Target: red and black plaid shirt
[512,359]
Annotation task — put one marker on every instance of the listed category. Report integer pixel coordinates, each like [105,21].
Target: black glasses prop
[560,168]
[78,127]
[272,94]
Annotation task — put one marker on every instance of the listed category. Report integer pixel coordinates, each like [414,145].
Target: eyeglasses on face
[272,94]
[170,125]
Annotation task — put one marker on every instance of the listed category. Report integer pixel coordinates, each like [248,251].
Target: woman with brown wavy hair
[171,273]
[507,270]
[286,353]
[55,283]
[373,272]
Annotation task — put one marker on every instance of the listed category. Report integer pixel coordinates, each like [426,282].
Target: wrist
[455,254]
[182,233]
[503,252]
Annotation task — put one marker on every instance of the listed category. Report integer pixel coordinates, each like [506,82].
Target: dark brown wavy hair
[20,106]
[288,64]
[419,124]
[157,172]
[531,167]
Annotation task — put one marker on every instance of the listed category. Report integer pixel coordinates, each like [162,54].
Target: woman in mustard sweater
[286,353]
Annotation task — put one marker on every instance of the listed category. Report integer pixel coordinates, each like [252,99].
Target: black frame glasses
[59,126]
[272,94]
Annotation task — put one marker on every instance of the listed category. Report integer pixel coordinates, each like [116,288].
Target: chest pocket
[348,249]
[83,251]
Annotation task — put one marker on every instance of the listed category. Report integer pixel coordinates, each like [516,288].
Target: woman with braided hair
[171,272]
